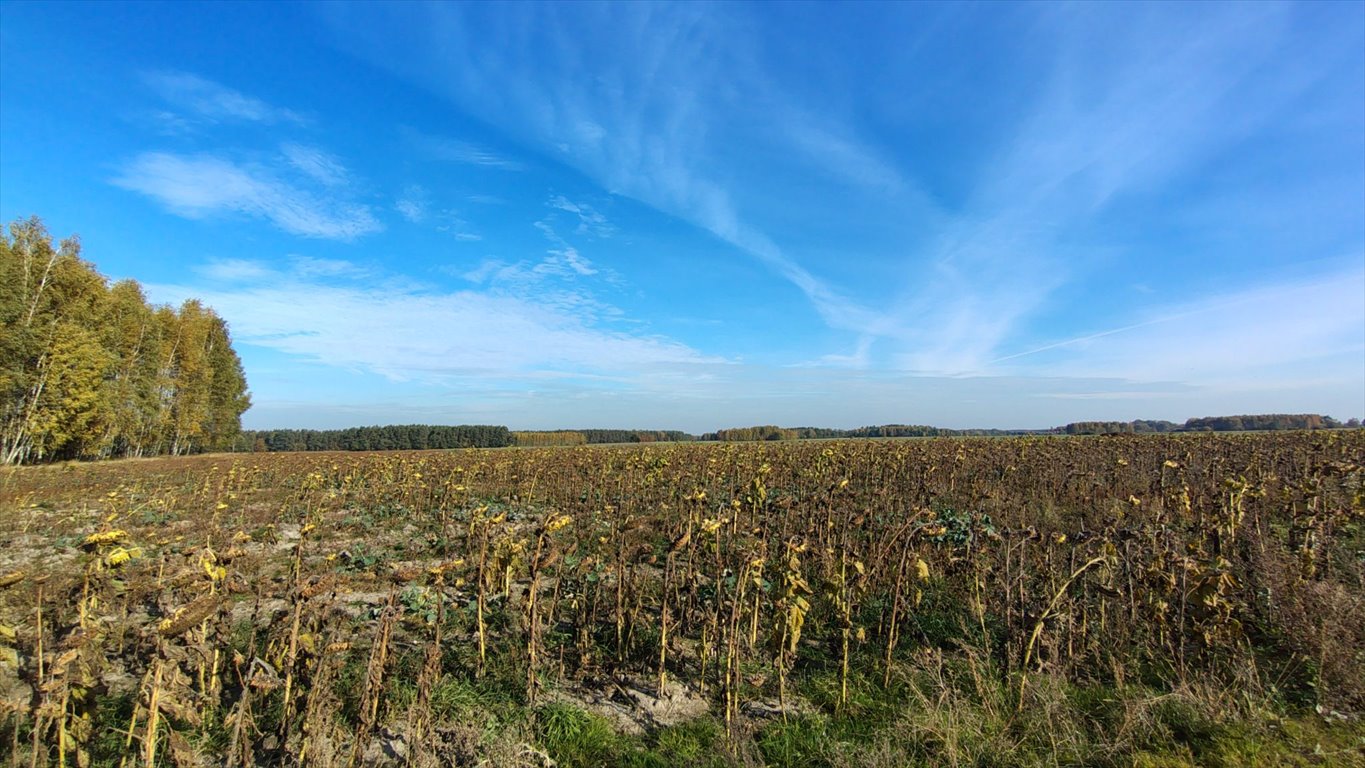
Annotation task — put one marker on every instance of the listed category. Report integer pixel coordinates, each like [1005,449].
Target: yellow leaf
[215,572]
[105,537]
[122,555]
[921,570]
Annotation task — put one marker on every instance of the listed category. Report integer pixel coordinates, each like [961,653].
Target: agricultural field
[1139,600]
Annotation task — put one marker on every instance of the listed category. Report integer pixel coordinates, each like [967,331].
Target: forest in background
[92,370]
[417,437]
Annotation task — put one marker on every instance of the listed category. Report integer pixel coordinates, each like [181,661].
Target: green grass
[575,738]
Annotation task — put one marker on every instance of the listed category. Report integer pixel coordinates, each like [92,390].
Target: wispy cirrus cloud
[206,100]
[590,220]
[563,258]
[235,270]
[300,188]
[645,116]
[677,107]
[1265,335]
[317,164]
[312,267]
[294,266]
[406,332]
[452,223]
[564,278]
[411,208]
[459,151]
[842,157]
[564,275]
[198,186]
[1149,115]
[482,199]
[413,203]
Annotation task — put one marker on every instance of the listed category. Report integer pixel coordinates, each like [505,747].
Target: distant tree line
[1206,424]
[424,437]
[401,437]
[1119,427]
[92,370]
[417,437]
[548,438]
[531,438]
[600,436]
[1262,422]
[743,434]
[768,432]
[920,430]
[1267,421]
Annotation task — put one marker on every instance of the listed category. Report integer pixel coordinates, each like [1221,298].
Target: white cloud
[405,332]
[1271,336]
[485,199]
[492,269]
[318,165]
[413,204]
[457,227]
[293,267]
[563,259]
[590,221]
[198,186]
[841,157]
[171,124]
[216,103]
[411,209]
[234,270]
[459,151]
[527,277]
[313,267]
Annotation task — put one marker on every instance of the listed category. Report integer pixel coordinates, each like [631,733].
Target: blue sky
[698,215]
